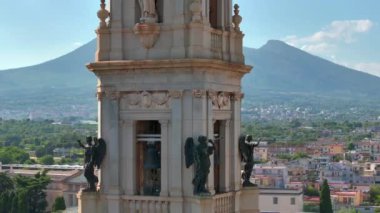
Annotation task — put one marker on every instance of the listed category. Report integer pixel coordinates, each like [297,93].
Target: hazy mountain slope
[279,67]
[65,72]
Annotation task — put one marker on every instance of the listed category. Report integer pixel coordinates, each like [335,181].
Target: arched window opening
[213,13]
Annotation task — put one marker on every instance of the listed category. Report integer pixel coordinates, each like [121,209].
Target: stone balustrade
[224,203]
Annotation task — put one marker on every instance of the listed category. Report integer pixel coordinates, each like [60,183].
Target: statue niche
[149,11]
[147,17]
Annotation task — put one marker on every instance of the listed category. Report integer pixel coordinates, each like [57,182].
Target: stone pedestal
[249,200]
[88,202]
[201,204]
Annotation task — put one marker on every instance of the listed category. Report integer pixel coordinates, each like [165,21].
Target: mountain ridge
[278,69]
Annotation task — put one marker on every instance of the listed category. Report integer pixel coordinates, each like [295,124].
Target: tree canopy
[24,194]
[325,205]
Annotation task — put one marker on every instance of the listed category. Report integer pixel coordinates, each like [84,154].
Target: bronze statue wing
[243,148]
[99,152]
[189,151]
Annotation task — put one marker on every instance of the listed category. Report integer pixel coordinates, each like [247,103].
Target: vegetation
[59,204]
[23,194]
[47,160]
[325,205]
[347,210]
[13,155]
[22,139]
[310,208]
[374,194]
[303,131]
[311,191]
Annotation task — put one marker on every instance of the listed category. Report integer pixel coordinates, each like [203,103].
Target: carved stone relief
[220,100]
[145,100]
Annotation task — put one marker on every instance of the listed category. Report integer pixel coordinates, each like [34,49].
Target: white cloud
[77,44]
[325,42]
[371,68]
[337,31]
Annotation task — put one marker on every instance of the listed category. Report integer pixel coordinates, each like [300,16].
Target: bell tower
[168,70]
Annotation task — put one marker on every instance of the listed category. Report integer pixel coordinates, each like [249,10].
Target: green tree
[13,155]
[351,146]
[374,194]
[47,160]
[325,205]
[30,193]
[59,204]
[6,183]
[311,191]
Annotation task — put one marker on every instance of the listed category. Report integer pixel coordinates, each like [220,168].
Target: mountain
[280,68]
[281,73]
[67,72]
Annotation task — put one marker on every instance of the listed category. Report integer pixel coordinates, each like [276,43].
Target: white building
[280,201]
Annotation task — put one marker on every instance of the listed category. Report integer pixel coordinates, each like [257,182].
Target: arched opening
[159,5]
[148,155]
[213,13]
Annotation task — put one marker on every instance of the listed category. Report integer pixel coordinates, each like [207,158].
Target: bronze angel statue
[199,155]
[246,148]
[95,150]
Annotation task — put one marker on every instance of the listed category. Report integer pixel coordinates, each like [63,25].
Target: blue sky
[344,31]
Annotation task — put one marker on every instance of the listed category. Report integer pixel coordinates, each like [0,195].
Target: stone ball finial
[236,19]
[103,14]
[196,10]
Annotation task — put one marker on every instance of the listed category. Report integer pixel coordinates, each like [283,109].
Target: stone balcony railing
[144,204]
[222,203]
[217,43]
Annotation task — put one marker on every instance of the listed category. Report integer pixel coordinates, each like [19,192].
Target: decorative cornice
[193,64]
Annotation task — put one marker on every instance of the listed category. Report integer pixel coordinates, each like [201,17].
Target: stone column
[186,131]
[175,145]
[236,168]
[210,135]
[110,133]
[178,18]
[176,151]
[116,30]
[129,139]
[226,157]
[164,158]
[127,149]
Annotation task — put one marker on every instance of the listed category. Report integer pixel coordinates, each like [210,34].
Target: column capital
[100,95]
[199,93]
[176,93]
[163,122]
[237,96]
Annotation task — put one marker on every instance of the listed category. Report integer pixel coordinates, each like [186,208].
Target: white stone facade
[176,69]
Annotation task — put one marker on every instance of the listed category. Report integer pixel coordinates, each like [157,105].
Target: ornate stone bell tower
[168,70]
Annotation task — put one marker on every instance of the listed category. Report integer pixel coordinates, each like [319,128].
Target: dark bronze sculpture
[93,156]
[200,156]
[246,148]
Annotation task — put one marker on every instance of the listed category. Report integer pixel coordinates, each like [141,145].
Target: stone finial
[196,9]
[103,14]
[236,19]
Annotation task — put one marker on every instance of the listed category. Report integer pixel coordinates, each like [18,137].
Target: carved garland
[220,100]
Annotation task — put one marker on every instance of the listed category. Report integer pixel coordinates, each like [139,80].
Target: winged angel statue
[199,155]
[246,148]
[95,150]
